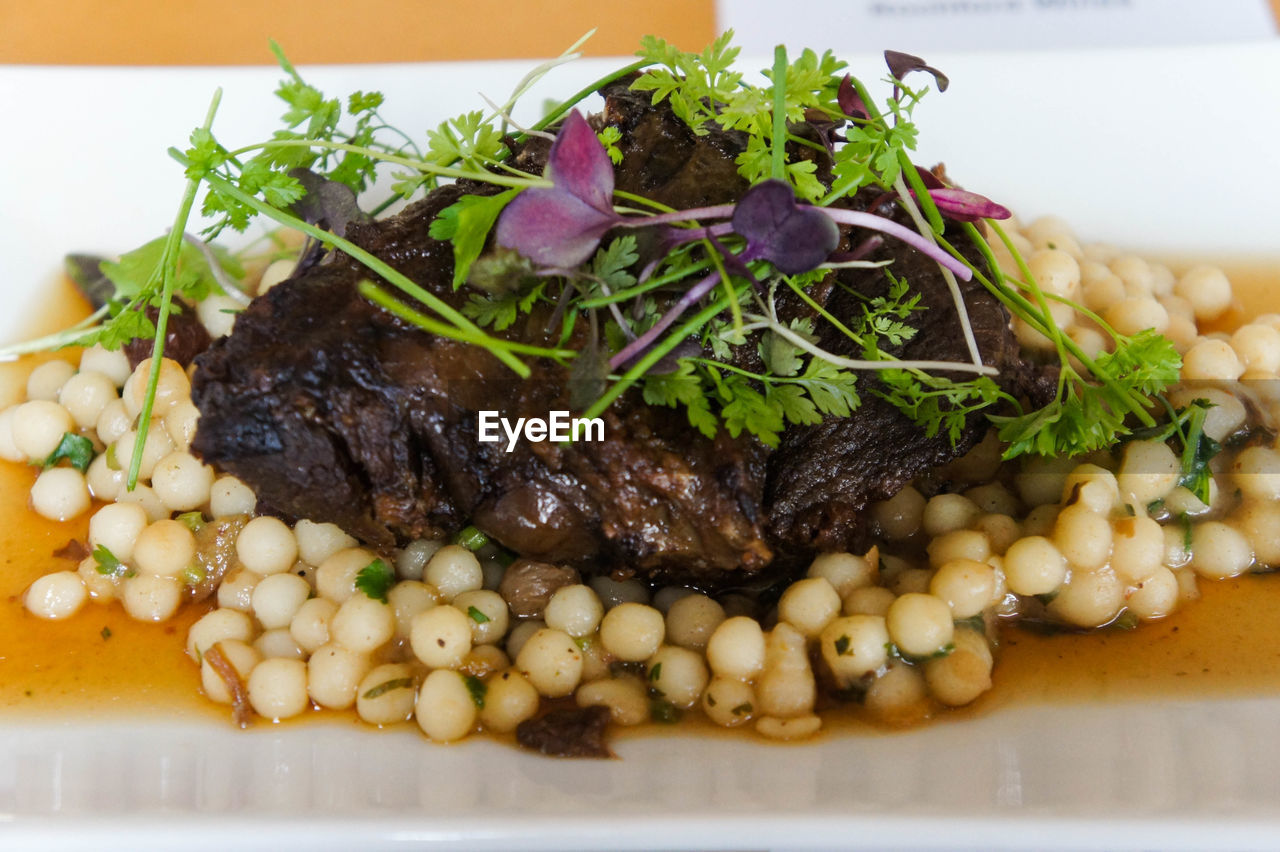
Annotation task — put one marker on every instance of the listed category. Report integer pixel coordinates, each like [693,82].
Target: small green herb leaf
[466,224]
[477,616]
[376,580]
[477,688]
[388,686]
[76,449]
[108,565]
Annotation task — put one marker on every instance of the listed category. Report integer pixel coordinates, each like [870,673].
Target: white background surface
[1161,149]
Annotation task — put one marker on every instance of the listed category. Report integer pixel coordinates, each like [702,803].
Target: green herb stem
[778,142]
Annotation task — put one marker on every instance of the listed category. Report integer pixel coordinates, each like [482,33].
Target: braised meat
[334,410]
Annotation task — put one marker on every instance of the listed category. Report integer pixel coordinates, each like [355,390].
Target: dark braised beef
[333,410]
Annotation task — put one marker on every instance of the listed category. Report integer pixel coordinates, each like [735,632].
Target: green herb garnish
[376,580]
[108,565]
[477,616]
[388,686]
[477,688]
[76,449]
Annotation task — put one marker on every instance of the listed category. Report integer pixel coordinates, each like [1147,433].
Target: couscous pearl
[626,698]
[1041,479]
[552,662]
[172,386]
[1134,272]
[454,570]
[317,542]
[56,596]
[509,700]
[728,702]
[668,595]
[47,380]
[336,576]
[1034,566]
[854,646]
[1083,536]
[1103,291]
[1256,472]
[116,526]
[85,395]
[278,688]
[1219,551]
[958,678]
[387,694]
[441,636]
[408,598]
[966,585]
[113,422]
[236,590]
[277,598]
[1148,472]
[787,687]
[484,660]
[809,605]
[1088,598]
[946,512]
[788,728]
[678,675]
[180,422]
[1155,597]
[113,364]
[276,271]
[994,498]
[869,600]
[844,571]
[1055,271]
[999,530]
[217,313]
[632,632]
[737,648]
[182,481]
[521,633]
[958,544]
[278,642]
[362,624]
[1137,549]
[488,614]
[60,494]
[333,673]
[574,609]
[1093,487]
[216,626]
[165,548]
[1225,416]
[1258,347]
[157,446]
[229,496]
[101,587]
[38,427]
[613,592]
[1207,289]
[412,560]
[1211,360]
[898,694]
[310,624]
[144,496]
[919,624]
[1259,520]
[900,516]
[445,710]
[266,545]
[242,658]
[691,621]
[149,597]
[8,450]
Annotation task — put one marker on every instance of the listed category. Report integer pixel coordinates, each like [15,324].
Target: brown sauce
[101,661]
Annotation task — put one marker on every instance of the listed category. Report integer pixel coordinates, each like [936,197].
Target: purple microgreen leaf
[902,64]
[929,179]
[887,226]
[579,165]
[561,226]
[552,227]
[793,237]
[964,206]
[850,101]
[327,203]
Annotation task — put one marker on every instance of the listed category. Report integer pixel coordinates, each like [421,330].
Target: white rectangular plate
[1164,150]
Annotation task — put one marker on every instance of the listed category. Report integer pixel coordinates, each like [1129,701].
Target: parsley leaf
[466,224]
[477,688]
[376,580]
[76,449]
[108,565]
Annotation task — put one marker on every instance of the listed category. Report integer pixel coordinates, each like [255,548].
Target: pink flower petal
[967,206]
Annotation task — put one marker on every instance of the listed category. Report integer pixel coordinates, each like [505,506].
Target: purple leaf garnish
[964,206]
[902,64]
[850,101]
[561,226]
[794,238]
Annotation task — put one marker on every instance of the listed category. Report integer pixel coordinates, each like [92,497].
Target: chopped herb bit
[376,580]
[76,449]
[471,538]
[112,462]
[711,699]
[742,709]
[655,673]
[194,574]
[973,622]
[477,616]
[477,688]
[108,565]
[1126,620]
[664,712]
[194,521]
[842,645]
[387,686]
[105,634]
